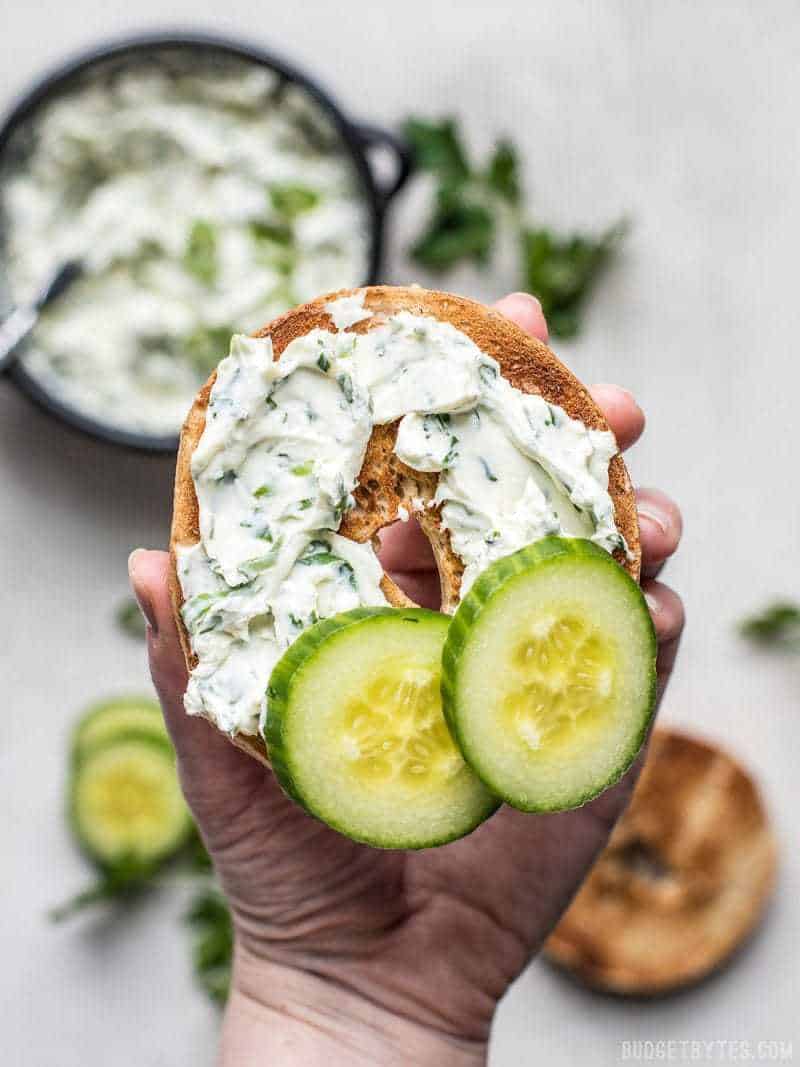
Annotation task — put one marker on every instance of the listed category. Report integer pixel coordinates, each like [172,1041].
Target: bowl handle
[370,136]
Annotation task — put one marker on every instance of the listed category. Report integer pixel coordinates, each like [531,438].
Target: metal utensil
[17,325]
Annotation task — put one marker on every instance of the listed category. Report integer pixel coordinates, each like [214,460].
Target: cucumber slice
[355,731]
[548,674]
[126,803]
[118,717]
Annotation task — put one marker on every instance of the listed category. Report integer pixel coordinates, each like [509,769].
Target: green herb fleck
[274,233]
[303,469]
[130,619]
[502,175]
[304,505]
[292,199]
[206,346]
[346,385]
[212,953]
[263,490]
[777,625]
[200,255]
[323,362]
[487,470]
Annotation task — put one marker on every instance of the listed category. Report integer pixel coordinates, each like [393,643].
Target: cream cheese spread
[203,197]
[280,455]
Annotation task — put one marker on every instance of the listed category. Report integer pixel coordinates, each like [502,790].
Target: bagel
[385,484]
[683,880]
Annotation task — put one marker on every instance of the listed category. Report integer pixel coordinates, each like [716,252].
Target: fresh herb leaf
[212,953]
[200,255]
[130,619]
[460,228]
[562,270]
[275,233]
[291,199]
[437,148]
[206,346]
[126,878]
[470,207]
[303,469]
[503,173]
[263,490]
[777,625]
[323,362]
[304,505]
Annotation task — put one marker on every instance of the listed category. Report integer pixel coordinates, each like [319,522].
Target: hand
[347,954]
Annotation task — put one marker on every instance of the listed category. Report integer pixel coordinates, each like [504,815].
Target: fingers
[624,416]
[205,757]
[526,311]
[404,547]
[666,610]
[660,529]
[422,587]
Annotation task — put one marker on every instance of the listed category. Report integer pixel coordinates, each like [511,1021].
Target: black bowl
[358,138]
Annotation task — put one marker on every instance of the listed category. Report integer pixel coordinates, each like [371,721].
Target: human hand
[346,954]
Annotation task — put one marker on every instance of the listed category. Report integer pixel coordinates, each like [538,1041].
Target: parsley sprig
[471,203]
[777,625]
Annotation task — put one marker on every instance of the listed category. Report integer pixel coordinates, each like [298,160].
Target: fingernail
[652,603]
[142,599]
[653,512]
[528,297]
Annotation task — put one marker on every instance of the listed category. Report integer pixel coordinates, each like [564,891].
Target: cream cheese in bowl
[204,194]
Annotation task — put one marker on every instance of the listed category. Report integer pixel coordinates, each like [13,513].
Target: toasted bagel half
[684,879]
[385,484]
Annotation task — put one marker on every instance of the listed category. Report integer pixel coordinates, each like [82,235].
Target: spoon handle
[16,326]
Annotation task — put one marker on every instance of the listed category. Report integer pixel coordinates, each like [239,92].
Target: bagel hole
[642,859]
[407,557]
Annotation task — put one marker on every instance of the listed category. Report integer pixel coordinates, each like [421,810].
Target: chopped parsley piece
[292,199]
[277,233]
[206,346]
[487,470]
[323,362]
[303,468]
[200,255]
[263,490]
[346,385]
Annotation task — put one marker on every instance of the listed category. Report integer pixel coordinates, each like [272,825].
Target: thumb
[214,774]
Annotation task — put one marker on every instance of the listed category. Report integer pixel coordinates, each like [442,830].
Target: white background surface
[681,115]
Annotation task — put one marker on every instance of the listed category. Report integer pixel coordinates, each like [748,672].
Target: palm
[305,896]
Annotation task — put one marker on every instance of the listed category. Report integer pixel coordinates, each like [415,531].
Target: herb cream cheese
[280,455]
[201,195]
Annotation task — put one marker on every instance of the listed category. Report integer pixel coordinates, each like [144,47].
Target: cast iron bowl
[358,139]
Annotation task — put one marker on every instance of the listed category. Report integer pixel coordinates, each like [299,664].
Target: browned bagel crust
[384,482]
[683,880]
